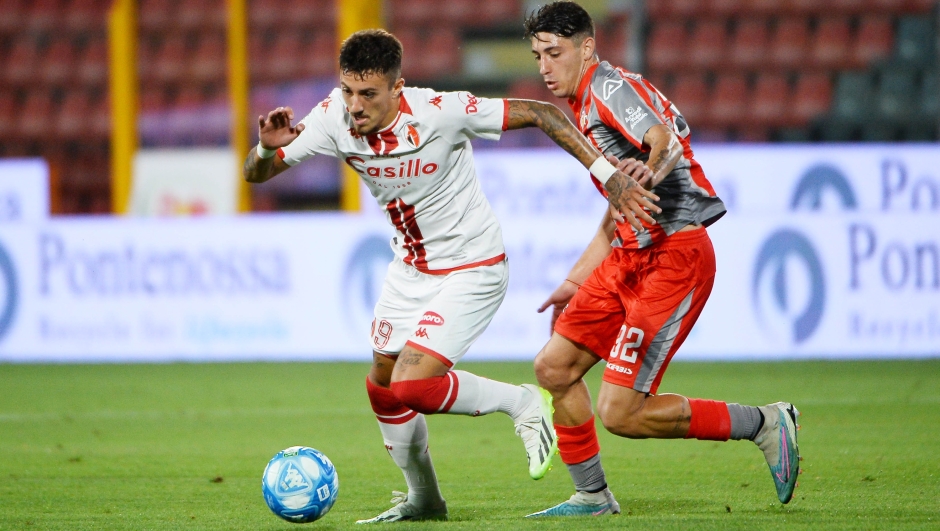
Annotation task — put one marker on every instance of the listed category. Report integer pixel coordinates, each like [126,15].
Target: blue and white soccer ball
[300,484]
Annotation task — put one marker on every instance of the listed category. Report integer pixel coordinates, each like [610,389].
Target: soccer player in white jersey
[411,146]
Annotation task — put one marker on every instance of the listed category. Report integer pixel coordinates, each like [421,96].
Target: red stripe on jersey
[505,114]
[403,217]
[382,143]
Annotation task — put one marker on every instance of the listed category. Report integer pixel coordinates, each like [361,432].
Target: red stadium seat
[812,96]
[58,63]
[750,43]
[207,63]
[728,104]
[264,14]
[283,62]
[93,63]
[72,115]
[689,94]
[85,15]
[303,15]
[39,108]
[790,41]
[763,7]
[319,56]
[708,43]
[13,15]
[831,43]
[494,12]
[156,15]
[686,8]
[722,7]
[152,99]
[411,66]
[8,114]
[873,40]
[200,15]
[771,101]
[43,15]
[170,61]
[458,12]
[414,13]
[442,53]
[20,67]
[667,46]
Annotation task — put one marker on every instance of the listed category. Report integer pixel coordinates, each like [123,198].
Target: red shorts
[639,305]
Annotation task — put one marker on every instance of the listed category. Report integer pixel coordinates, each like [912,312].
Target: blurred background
[811,119]
[740,70]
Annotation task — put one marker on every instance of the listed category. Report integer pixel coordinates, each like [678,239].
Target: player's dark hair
[368,52]
[565,19]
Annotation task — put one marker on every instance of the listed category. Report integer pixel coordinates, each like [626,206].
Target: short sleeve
[627,104]
[315,139]
[466,116]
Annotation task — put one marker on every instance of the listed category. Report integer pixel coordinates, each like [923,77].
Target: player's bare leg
[630,413]
[560,368]
[426,384]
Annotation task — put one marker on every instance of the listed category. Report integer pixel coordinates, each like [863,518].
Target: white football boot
[404,511]
[534,426]
[777,439]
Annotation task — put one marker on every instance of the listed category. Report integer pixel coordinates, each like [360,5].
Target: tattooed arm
[623,192]
[665,151]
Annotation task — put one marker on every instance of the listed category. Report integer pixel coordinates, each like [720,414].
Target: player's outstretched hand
[275,131]
[558,300]
[626,193]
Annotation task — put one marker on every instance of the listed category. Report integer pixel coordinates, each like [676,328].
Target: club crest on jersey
[611,86]
[432,319]
[411,136]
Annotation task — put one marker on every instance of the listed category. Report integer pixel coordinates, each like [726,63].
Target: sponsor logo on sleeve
[470,101]
[611,86]
[436,100]
[634,115]
[325,104]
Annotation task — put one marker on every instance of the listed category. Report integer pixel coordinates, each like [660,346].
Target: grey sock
[588,475]
[746,421]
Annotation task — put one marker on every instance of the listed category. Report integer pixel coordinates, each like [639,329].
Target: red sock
[710,420]
[387,407]
[577,444]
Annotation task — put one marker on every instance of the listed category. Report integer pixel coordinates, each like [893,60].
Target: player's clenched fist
[275,131]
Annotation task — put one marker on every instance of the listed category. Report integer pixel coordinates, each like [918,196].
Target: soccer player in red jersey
[411,147]
[635,293]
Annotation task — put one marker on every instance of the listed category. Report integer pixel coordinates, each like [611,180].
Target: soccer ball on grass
[300,484]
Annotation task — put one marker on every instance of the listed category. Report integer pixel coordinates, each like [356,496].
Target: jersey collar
[577,103]
[403,108]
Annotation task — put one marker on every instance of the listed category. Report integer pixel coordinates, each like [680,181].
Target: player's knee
[383,401]
[423,396]
[551,374]
[381,371]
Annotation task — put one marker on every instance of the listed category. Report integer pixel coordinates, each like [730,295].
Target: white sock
[407,443]
[481,396]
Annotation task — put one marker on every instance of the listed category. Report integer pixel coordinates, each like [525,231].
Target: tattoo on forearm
[550,119]
[256,169]
[683,417]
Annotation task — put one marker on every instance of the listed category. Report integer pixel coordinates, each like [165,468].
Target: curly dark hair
[565,19]
[373,51]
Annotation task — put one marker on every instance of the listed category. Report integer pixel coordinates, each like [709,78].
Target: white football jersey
[420,170]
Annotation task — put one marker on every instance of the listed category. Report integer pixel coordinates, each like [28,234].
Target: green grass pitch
[182,446]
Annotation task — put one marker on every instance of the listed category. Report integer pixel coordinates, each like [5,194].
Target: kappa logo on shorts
[422,332]
[431,318]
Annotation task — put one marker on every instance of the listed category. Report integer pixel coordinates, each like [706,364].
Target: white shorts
[440,315]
